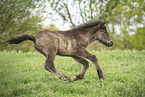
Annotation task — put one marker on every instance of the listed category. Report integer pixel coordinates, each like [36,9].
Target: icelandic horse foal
[71,43]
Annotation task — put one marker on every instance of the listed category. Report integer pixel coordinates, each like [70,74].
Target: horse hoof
[75,78]
[78,77]
[65,79]
[101,79]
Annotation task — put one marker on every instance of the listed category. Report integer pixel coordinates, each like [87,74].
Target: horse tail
[21,38]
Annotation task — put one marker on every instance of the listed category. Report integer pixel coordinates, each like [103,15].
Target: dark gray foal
[72,43]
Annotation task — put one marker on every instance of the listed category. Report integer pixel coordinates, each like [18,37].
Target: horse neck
[92,34]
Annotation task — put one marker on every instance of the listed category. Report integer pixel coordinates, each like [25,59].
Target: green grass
[23,74]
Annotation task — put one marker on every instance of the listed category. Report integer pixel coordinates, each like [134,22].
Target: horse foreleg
[82,52]
[85,64]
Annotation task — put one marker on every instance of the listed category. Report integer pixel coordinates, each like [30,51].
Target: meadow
[23,74]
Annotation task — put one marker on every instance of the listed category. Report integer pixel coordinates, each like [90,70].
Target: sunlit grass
[23,74]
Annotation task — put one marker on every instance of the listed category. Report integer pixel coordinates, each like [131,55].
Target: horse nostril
[111,42]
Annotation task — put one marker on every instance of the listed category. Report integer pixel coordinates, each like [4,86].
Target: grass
[23,74]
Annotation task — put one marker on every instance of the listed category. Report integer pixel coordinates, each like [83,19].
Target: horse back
[57,40]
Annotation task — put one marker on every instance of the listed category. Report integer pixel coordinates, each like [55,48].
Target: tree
[80,11]
[138,39]
[18,17]
[13,13]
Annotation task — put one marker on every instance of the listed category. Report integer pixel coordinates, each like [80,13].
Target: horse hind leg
[40,51]
[85,64]
[49,65]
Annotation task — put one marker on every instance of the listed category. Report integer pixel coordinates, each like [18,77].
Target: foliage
[131,18]
[16,14]
[87,10]
[23,74]
[52,27]
[18,17]
[137,40]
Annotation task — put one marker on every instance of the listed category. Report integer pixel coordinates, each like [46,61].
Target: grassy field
[23,74]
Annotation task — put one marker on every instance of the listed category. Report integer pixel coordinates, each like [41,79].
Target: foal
[71,43]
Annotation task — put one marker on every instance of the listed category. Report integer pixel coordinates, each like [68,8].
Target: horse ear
[101,24]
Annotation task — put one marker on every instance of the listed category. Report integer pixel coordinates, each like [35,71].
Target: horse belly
[66,47]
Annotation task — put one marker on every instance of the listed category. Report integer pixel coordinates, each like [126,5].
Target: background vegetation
[126,21]
[19,17]
[23,74]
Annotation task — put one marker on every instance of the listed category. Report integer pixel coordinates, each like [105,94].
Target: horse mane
[86,25]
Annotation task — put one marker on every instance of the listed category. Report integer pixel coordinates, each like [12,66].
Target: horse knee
[94,58]
[49,65]
[47,68]
[86,64]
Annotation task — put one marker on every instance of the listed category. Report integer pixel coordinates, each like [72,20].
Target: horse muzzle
[110,43]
